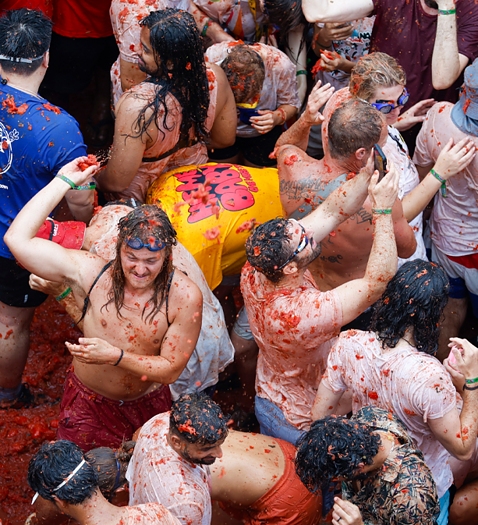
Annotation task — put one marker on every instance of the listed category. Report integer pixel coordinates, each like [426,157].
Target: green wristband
[447,11]
[471,381]
[64,294]
[66,179]
[442,180]
[204,29]
[89,186]
[301,72]
[383,211]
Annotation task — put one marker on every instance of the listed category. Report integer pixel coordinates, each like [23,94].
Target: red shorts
[91,420]
[288,502]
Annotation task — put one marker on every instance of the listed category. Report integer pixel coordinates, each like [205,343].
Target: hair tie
[118,467]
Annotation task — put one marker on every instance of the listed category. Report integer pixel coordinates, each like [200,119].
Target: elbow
[442,83]
[407,249]
[222,142]
[8,239]
[464,456]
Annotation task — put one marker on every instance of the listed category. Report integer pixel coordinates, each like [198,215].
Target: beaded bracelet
[447,11]
[204,29]
[121,357]
[284,115]
[66,179]
[383,211]
[440,179]
[301,72]
[471,381]
[64,294]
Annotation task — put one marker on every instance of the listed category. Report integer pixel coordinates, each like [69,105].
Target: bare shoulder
[184,291]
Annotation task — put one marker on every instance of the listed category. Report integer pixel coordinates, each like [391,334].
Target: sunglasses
[387,106]
[303,242]
[137,244]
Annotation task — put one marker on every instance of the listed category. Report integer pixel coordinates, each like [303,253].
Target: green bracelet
[64,294]
[301,72]
[384,211]
[204,29]
[446,11]
[471,381]
[89,186]
[66,179]
[440,179]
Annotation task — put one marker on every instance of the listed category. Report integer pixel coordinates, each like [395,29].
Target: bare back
[250,466]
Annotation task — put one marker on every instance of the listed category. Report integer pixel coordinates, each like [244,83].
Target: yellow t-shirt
[213,223]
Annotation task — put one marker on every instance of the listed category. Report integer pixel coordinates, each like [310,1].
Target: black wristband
[466,387]
[121,357]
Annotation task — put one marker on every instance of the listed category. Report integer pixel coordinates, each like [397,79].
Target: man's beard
[431,3]
[145,69]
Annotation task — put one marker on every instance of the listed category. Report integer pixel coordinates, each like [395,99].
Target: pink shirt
[125,17]
[280,84]
[412,385]
[148,172]
[156,473]
[454,220]
[294,330]
[150,514]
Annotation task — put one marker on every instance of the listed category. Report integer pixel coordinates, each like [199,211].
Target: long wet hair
[287,15]
[111,466]
[179,55]
[334,447]
[146,222]
[24,33]
[414,298]
[196,418]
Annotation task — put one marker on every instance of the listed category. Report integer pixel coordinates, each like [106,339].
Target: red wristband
[284,115]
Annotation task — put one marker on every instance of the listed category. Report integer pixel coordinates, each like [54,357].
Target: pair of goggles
[303,242]
[136,244]
[387,106]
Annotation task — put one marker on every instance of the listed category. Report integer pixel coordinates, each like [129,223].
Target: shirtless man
[60,473]
[164,122]
[141,321]
[305,182]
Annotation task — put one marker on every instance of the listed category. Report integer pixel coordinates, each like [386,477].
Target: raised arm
[452,160]
[357,295]
[212,30]
[129,145]
[297,52]
[336,11]
[447,62]
[41,257]
[457,432]
[176,348]
[298,133]
[340,204]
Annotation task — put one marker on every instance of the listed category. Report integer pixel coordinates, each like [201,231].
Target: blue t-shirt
[35,143]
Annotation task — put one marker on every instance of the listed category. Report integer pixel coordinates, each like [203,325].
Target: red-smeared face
[141,267]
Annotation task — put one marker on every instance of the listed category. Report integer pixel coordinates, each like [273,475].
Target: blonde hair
[375,70]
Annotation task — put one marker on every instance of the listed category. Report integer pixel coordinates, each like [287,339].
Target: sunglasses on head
[387,106]
[136,244]
[303,242]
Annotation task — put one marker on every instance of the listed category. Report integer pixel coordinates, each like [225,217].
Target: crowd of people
[314,161]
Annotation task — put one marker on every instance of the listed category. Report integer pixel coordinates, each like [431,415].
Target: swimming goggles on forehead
[387,106]
[303,242]
[136,244]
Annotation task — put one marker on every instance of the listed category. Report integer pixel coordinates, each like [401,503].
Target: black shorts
[14,287]
[254,149]
[73,61]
